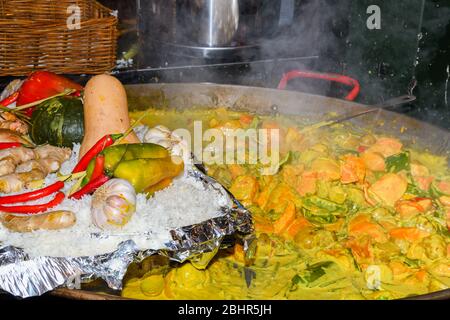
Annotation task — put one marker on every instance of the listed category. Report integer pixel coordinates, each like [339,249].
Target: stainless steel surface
[208,52]
[225,64]
[315,108]
[218,22]
[208,29]
[394,102]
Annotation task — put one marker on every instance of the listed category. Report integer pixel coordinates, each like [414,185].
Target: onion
[113,204]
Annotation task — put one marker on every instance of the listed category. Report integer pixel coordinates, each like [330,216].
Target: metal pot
[216,21]
[261,100]
[313,107]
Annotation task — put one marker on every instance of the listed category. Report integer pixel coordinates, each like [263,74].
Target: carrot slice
[286,218]
[297,225]
[410,234]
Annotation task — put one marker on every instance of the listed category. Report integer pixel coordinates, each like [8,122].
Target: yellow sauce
[329,224]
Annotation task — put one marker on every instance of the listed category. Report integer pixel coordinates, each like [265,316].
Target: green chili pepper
[143,173]
[124,152]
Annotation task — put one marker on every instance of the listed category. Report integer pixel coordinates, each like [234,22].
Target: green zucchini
[58,121]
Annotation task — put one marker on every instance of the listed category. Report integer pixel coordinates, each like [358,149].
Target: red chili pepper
[99,167]
[90,187]
[11,99]
[98,147]
[33,195]
[36,208]
[43,84]
[7,145]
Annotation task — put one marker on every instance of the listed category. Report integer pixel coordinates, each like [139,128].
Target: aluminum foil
[23,276]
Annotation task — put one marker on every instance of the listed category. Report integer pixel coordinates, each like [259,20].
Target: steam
[318,30]
[319,35]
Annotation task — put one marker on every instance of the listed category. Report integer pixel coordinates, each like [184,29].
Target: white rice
[184,203]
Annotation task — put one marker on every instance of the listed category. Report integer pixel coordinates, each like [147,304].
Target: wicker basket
[34,35]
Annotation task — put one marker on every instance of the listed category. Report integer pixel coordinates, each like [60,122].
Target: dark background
[412,45]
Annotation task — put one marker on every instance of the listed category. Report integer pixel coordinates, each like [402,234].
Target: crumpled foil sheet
[24,277]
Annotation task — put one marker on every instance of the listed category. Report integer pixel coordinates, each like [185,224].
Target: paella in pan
[358,210]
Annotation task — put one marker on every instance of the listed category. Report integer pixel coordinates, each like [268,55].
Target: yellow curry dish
[348,215]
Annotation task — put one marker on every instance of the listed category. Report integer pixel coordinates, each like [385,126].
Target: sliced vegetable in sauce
[398,162]
[341,201]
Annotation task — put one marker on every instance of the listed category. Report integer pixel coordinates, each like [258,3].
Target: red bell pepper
[43,84]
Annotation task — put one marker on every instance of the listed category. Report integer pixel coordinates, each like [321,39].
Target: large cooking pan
[261,100]
[312,107]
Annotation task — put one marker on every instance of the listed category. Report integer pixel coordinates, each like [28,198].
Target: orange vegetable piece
[444,186]
[424,183]
[386,146]
[418,170]
[293,140]
[291,173]
[410,208]
[421,275]
[246,119]
[244,188]
[353,169]
[279,198]
[286,219]
[373,161]
[361,250]
[447,211]
[361,226]
[239,253]
[307,184]
[297,225]
[327,169]
[264,228]
[389,188]
[263,225]
[410,234]
[398,268]
[236,170]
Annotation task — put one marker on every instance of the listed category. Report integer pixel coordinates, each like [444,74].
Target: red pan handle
[324,76]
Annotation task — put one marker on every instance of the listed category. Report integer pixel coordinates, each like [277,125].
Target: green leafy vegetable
[398,162]
[313,202]
[321,217]
[413,189]
[312,273]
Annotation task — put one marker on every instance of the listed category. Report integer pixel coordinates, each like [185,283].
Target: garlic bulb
[113,204]
[173,142]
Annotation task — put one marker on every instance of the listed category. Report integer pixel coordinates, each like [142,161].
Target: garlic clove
[113,204]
